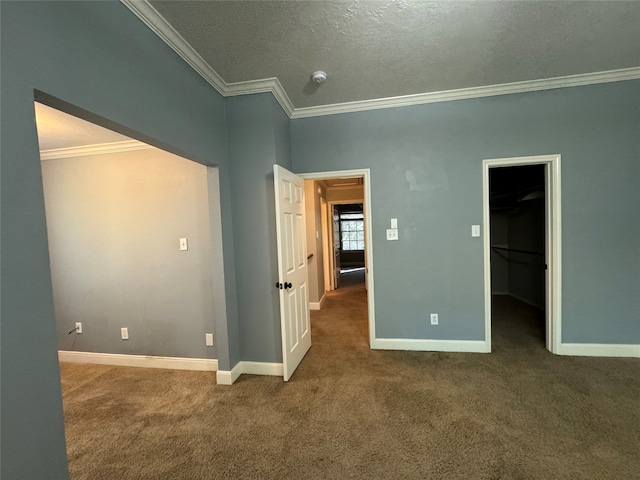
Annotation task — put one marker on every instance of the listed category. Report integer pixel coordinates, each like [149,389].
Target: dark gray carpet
[350,412]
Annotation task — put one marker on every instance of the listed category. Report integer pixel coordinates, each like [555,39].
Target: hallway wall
[314,231]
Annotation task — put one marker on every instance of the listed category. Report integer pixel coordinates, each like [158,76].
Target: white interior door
[292,269]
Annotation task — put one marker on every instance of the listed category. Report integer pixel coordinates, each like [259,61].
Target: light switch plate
[475,230]
[183,244]
[208,339]
[392,234]
[394,223]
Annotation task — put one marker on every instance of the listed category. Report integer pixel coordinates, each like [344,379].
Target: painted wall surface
[113,224]
[426,170]
[134,84]
[314,233]
[258,138]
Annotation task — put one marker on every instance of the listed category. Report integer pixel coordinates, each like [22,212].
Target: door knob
[287,285]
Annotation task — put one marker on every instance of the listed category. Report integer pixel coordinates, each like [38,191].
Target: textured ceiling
[57,129]
[388,48]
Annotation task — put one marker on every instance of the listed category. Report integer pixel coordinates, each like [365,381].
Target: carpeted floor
[350,412]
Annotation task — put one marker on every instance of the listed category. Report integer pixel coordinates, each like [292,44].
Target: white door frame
[553,243]
[365,173]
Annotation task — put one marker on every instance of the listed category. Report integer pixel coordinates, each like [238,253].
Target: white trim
[96,149]
[146,361]
[262,368]
[318,305]
[365,173]
[159,25]
[226,377]
[473,92]
[427,345]
[553,242]
[272,85]
[599,350]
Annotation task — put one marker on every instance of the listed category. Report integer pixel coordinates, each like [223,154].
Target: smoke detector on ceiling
[319,77]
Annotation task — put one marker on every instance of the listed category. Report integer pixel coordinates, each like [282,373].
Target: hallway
[342,323]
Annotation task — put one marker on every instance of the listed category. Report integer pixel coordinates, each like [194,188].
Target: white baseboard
[174,363]
[227,377]
[423,345]
[262,368]
[599,350]
[318,305]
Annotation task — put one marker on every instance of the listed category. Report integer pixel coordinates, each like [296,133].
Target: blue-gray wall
[426,170]
[101,58]
[258,136]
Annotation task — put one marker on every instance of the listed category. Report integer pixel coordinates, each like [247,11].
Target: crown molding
[96,149]
[158,24]
[468,93]
[272,85]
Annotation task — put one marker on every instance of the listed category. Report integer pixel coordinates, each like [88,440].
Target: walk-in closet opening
[518,260]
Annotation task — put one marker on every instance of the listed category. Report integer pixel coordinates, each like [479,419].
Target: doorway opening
[521,203]
[348,244]
[338,238]
[115,217]
[125,220]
